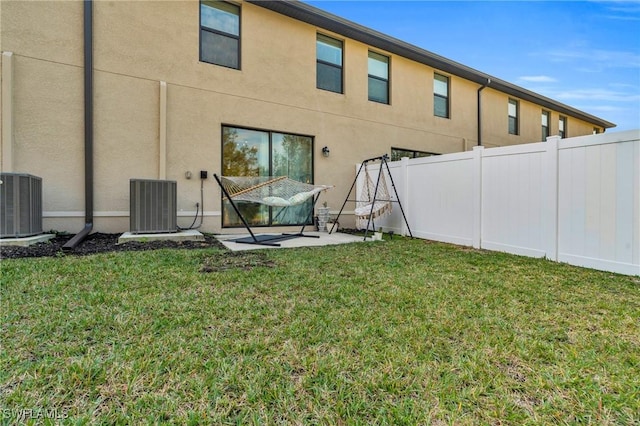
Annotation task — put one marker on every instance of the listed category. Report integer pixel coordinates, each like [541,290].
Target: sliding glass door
[250,152]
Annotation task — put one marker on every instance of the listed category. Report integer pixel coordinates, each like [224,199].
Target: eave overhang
[311,15]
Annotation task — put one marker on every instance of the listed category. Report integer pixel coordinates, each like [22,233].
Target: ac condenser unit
[20,205]
[152,206]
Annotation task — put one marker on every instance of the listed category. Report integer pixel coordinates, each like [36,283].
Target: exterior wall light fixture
[325,151]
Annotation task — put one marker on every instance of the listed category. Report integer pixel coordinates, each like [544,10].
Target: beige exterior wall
[140,45]
[495,121]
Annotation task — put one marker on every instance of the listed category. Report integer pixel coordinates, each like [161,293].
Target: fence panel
[571,200]
[599,203]
[441,198]
[515,207]
[437,195]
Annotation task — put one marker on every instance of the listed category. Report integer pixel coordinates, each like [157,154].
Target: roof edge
[311,15]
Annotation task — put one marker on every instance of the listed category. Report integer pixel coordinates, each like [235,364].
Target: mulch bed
[100,243]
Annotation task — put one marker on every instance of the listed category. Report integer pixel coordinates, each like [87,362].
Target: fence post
[550,197]
[477,197]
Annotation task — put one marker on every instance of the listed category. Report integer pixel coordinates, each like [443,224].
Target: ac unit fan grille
[153,206]
[20,205]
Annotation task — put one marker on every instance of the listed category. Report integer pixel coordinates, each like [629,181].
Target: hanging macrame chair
[373,200]
[370,204]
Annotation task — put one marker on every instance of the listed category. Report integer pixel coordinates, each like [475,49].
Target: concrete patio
[324,239]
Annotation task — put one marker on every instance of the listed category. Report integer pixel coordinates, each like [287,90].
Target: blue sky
[585,54]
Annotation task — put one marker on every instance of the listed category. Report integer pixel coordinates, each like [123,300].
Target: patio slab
[324,239]
[188,235]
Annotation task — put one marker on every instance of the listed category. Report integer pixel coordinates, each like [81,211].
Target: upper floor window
[513,117]
[562,127]
[220,33]
[378,78]
[440,96]
[329,64]
[545,125]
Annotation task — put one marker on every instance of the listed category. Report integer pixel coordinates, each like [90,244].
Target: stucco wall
[138,45]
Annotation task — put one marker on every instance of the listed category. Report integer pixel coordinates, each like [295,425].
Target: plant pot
[323,218]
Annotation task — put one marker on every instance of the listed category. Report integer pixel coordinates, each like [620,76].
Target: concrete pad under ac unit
[188,235]
[26,241]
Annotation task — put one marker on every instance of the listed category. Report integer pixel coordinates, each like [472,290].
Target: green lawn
[398,332]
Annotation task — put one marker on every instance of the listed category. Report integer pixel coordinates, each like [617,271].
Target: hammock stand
[375,207]
[268,239]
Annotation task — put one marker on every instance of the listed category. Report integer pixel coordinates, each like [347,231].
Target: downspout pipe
[88,128]
[480,111]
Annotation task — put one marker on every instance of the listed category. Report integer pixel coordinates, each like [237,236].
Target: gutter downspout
[480,111]
[88,128]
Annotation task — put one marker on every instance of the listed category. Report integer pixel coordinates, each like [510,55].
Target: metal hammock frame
[376,209]
[266,239]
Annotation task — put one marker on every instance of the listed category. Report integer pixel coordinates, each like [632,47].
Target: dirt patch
[100,243]
[245,260]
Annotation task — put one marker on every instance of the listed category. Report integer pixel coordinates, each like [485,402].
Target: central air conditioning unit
[20,205]
[153,206]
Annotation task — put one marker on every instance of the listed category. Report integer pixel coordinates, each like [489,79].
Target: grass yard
[399,332]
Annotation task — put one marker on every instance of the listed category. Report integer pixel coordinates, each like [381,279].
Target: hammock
[371,205]
[269,190]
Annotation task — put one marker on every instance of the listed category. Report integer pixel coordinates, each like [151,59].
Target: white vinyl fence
[570,200]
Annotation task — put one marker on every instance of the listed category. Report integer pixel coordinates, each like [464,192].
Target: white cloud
[597,58]
[624,86]
[602,108]
[622,17]
[537,79]
[597,95]
[624,7]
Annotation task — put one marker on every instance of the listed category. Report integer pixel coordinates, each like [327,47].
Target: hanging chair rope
[272,191]
[371,204]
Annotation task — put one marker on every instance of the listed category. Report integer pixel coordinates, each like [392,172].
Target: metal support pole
[226,194]
[373,204]
[393,185]
[348,194]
